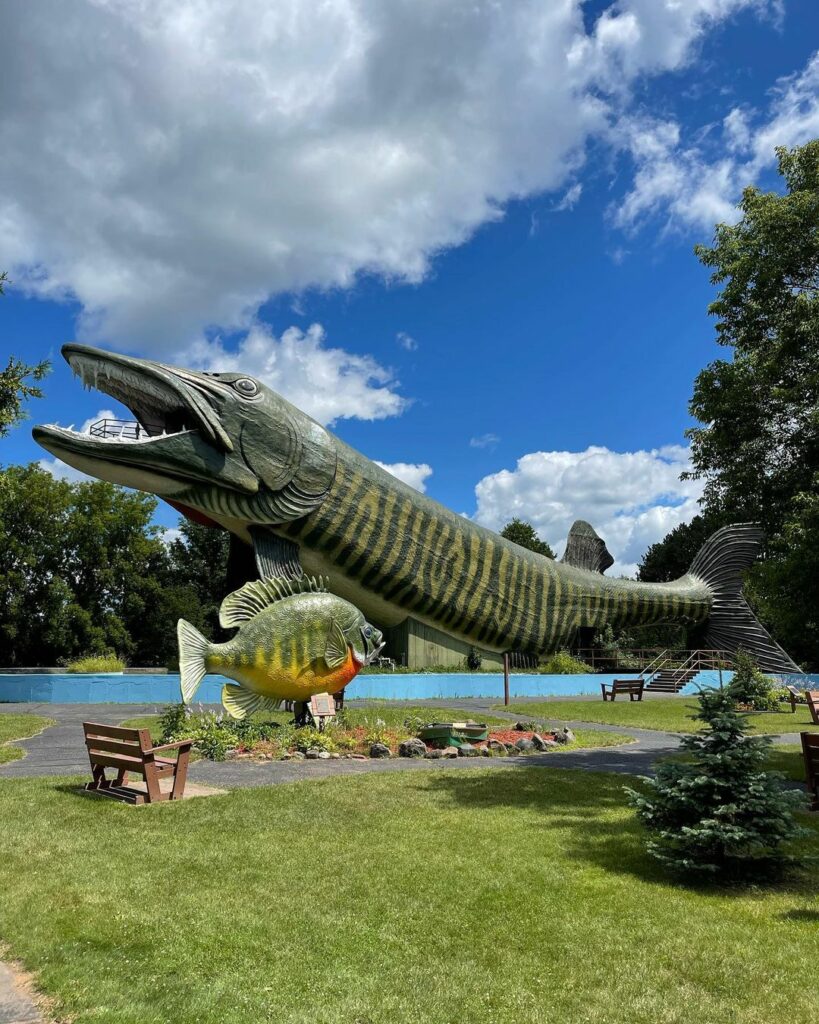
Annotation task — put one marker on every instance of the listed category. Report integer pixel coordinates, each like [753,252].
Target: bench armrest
[171,746]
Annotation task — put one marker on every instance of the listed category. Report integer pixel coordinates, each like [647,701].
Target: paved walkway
[16,1006]
[60,750]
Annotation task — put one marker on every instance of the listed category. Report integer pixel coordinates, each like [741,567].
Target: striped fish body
[395,552]
[280,653]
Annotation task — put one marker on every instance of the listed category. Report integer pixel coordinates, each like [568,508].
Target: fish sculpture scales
[225,450]
[295,639]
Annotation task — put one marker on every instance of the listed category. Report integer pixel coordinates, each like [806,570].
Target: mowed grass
[669,714]
[19,727]
[410,898]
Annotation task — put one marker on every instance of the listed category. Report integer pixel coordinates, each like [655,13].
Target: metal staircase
[667,674]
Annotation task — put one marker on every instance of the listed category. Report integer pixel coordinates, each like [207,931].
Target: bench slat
[113,746]
[131,764]
[113,732]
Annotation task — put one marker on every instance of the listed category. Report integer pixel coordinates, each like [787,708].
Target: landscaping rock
[298,755]
[379,750]
[450,751]
[467,750]
[285,756]
[335,755]
[434,755]
[497,748]
[313,755]
[325,755]
[564,736]
[413,747]
[543,743]
[485,752]
[524,745]
[358,757]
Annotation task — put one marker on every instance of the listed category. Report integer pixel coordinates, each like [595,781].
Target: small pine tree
[719,814]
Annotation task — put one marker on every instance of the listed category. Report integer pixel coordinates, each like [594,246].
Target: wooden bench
[130,750]
[633,687]
[810,750]
[794,696]
[812,697]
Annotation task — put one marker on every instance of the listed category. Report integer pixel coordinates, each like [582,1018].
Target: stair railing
[654,666]
[699,660]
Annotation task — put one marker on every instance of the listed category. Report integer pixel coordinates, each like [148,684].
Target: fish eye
[245,386]
[367,631]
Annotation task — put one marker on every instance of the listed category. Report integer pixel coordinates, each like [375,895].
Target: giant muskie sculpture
[226,450]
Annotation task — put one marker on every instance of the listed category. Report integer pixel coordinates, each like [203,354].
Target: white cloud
[687,184]
[484,441]
[327,383]
[171,165]
[414,474]
[406,341]
[60,471]
[169,534]
[570,197]
[631,498]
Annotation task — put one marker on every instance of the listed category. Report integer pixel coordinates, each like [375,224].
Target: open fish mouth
[178,433]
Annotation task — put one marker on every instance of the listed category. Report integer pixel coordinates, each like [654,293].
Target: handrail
[701,659]
[655,665]
[130,430]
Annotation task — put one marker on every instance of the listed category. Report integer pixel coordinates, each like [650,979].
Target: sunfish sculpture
[225,449]
[295,639]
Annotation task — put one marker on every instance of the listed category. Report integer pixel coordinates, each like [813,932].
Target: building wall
[417,645]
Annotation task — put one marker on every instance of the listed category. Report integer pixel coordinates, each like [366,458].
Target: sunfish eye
[367,631]
[245,386]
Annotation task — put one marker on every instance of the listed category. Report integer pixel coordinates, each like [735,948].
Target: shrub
[473,660]
[718,813]
[307,738]
[563,664]
[97,663]
[750,687]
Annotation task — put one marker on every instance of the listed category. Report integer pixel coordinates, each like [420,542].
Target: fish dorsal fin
[239,702]
[276,557]
[585,550]
[257,595]
[335,653]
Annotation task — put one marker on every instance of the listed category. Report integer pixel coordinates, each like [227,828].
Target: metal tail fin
[732,625]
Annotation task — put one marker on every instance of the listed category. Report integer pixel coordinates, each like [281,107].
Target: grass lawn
[789,760]
[670,714]
[406,898]
[19,727]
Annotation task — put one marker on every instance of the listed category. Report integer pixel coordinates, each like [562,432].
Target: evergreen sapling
[719,813]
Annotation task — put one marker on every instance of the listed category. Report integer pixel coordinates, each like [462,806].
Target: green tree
[14,389]
[199,561]
[672,556]
[718,813]
[82,571]
[523,533]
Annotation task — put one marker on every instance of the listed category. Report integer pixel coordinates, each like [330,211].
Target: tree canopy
[84,571]
[756,442]
[523,533]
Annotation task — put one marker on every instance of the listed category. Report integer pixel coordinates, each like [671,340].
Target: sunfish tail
[193,649]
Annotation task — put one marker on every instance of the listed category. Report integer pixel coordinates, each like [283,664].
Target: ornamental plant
[750,687]
[718,813]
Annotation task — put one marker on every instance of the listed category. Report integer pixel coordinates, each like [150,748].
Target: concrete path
[60,750]
[16,1006]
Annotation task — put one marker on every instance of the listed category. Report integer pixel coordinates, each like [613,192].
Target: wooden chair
[812,697]
[130,750]
[633,687]
[810,750]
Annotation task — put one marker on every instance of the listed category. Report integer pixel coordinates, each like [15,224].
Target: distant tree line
[84,571]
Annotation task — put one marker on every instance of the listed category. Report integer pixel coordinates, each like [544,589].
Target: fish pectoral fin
[276,557]
[335,650]
[239,702]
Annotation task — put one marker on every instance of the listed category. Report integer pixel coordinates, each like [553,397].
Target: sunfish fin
[276,557]
[335,651]
[254,597]
[731,624]
[585,550]
[193,649]
[239,702]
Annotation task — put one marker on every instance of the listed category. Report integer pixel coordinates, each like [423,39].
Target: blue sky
[460,235]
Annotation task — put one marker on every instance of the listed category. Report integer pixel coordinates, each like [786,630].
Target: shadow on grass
[585,806]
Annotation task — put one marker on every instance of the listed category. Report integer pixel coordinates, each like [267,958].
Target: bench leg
[152,784]
[180,775]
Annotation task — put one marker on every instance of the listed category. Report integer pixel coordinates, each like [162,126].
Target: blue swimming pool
[163,689]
